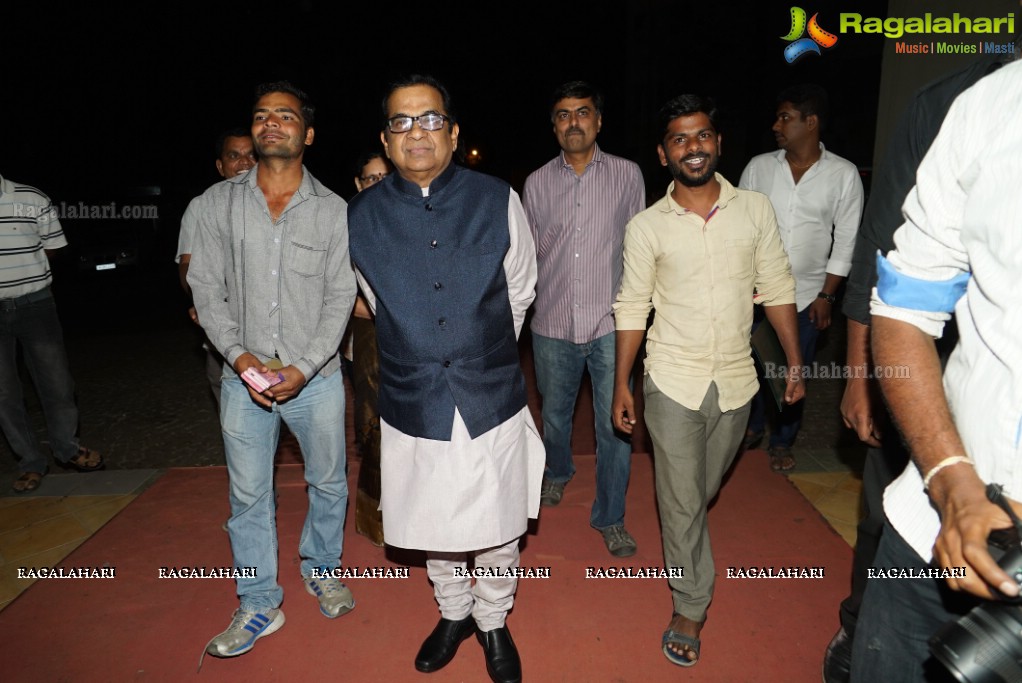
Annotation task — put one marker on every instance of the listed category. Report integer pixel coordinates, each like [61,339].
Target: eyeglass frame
[444,118]
[374,177]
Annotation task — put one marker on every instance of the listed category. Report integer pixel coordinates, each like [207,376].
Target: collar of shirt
[597,158]
[727,194]
[782,158]
[309,187]
[408,187]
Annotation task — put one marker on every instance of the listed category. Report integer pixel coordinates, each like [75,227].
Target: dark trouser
[366,382]
[898,617]
[789,422]
[31,321]
[883,465]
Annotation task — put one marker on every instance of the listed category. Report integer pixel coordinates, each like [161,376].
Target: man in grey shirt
[273,288]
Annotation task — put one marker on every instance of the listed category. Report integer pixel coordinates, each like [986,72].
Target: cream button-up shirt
[702,278]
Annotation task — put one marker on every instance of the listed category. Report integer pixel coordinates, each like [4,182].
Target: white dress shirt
[818,217]
[961,248]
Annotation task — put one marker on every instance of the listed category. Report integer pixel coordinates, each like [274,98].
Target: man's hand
[858,409]
[967,518]
[794,385]
[819,313]
[294,382]
[244,362]
[623,409]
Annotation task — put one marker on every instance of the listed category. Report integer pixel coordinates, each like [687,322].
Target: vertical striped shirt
[28,226]
[578,224]
[960,249]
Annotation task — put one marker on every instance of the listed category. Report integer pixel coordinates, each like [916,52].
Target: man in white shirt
[817,197]
[959,250]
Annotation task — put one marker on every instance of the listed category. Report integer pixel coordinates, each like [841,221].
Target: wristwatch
[829,298]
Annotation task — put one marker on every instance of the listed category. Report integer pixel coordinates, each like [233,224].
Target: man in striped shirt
[578,205]
[29,229]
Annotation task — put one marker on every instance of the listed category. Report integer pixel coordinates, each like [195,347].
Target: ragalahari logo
[800,46]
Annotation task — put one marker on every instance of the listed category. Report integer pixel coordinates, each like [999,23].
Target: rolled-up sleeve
[774,284]
[922,279]
[846,225]
[638,278]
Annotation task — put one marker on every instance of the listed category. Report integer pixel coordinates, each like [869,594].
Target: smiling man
[273,287]
[701,256]
[578,204]
[446,261]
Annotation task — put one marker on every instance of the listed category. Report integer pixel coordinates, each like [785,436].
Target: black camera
[985,645]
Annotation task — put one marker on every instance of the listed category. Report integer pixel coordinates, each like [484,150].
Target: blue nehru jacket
[443,320]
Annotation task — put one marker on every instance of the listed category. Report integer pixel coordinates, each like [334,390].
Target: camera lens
[984,646]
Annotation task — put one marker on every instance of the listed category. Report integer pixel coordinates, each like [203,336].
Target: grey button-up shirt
[279,289]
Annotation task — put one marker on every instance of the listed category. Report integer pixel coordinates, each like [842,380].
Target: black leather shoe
[441,645]
[502,661]
[837,662]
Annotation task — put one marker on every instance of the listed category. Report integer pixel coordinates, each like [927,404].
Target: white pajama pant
[489,598]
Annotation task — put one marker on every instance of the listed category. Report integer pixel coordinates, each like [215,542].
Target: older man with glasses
[445,257]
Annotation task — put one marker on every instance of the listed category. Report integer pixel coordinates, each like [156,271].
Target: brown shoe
[86,461]
[27,482]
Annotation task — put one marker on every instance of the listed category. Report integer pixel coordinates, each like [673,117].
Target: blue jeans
[32,322]
[559,367]
[898,616]
[790,419]
[316,418]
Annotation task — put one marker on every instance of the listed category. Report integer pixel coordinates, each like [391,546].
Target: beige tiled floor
[42,531]
[836,496]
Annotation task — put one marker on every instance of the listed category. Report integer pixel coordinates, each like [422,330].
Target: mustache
[574,129]
[698,155]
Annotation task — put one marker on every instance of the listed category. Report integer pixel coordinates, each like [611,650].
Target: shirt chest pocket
[307,260]
[739,255]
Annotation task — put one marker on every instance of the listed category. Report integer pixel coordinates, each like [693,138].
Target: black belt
[24,299]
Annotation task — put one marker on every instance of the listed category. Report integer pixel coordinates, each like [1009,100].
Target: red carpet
[137,627]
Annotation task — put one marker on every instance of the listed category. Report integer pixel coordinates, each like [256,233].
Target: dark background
[134,94]
[100,100]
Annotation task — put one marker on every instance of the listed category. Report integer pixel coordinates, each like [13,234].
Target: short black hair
[418,79]
[686,105]
[578,90]
[366,157]
[221,140]
[308,109]
[809,99]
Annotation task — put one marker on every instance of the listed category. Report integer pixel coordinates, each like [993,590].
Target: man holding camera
[957,251]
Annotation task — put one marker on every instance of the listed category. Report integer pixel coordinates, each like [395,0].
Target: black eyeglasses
[428,121]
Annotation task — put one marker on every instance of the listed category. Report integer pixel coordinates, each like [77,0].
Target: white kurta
[467,494]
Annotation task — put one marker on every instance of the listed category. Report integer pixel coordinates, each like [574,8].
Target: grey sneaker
[619,542]
[334,597]
[246,628]
[551,492]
